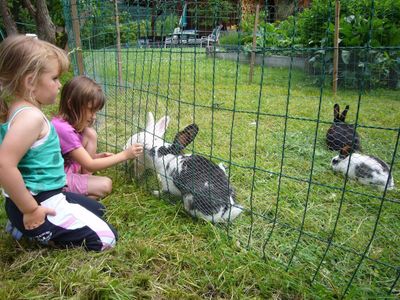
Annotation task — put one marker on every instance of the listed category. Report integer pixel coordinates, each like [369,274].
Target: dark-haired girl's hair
[77,96]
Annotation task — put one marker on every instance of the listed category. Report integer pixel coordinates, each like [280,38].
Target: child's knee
[104,187]
[99,186]
[107,185]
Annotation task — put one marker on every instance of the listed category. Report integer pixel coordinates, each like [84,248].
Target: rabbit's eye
[335,161]
[152,152]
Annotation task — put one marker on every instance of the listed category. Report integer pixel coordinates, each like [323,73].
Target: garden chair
[213,37]
[173,39]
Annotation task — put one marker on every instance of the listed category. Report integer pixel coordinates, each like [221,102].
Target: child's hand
[104,154]
[37,217]
[134,151]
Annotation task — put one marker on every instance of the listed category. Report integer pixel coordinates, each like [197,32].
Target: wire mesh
[272,133]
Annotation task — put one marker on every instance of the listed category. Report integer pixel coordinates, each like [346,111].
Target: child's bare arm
[15,144]
[103,154]
[81,156]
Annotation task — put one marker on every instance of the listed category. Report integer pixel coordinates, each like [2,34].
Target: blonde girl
[31,165]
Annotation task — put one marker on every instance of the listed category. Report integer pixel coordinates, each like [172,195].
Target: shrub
[362,28]
[231,38]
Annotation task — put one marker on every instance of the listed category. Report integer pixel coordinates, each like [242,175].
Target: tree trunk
[45,26]
[8,20]
[46,29]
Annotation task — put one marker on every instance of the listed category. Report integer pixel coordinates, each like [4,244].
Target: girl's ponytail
[3,111]
[3,106]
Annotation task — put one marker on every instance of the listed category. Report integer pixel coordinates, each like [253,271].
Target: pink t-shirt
[70,140]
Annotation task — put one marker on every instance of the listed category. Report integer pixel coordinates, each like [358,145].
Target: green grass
[275,248]
[161,254]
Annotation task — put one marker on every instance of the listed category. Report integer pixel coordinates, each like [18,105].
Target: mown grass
[271,136]
[160,255]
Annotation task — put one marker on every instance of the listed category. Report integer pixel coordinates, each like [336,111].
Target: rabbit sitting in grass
[203,185]
[340,133]
[365,169]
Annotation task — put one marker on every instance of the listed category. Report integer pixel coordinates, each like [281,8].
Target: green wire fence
[258,82]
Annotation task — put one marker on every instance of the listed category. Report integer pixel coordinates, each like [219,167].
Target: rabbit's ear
[336,111]
[150,122]
[183,138]
[161,126]
[187,135]
[344,113]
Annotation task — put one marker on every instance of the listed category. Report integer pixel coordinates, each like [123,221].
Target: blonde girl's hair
[77,96]
[20,56]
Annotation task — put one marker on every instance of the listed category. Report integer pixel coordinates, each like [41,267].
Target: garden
[306,232]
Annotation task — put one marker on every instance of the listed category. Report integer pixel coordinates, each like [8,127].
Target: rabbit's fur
[340,133]
[365,169]
[203,185]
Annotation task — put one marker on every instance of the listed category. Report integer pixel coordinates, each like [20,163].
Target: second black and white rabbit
[203,185]
[365,169]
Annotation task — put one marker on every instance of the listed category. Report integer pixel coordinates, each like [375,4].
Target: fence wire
[260,92]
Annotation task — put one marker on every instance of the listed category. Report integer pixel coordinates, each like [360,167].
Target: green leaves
[360,23]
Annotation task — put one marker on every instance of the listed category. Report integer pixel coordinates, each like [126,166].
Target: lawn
[306,232]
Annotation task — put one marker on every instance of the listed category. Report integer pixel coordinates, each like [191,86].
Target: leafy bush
[316,24]
[231,38]
[99,30]
[359,68]
[217,12]
[247,23]
[271,37]
[166,25]
[362,28]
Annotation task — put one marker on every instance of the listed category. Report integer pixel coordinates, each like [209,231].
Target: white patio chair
[174,38]
[213,37]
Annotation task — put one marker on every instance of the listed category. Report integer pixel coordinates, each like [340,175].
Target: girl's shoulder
[26,119]
[25,113]
[69,138]
[62,126]
[59,122]
[16,109]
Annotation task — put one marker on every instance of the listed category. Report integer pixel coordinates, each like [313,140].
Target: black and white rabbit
[203,185]
[340,133]
[366,169]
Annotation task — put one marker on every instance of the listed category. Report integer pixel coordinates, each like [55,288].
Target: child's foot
[16,234]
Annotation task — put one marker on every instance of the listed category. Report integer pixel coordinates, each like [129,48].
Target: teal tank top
[42,166]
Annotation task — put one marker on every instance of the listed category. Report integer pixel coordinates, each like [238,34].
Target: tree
[25,11]
[46,29]
[9,23]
